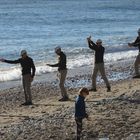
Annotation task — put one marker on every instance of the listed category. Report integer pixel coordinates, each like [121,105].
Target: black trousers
[79,127]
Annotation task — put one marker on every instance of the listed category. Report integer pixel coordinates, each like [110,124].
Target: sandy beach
[39,27]
[113,115]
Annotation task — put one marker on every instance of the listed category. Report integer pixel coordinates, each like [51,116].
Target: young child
[80,111]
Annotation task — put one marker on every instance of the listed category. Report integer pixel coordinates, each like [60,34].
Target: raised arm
[91,44]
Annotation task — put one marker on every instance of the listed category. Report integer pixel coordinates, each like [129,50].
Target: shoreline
[80,76]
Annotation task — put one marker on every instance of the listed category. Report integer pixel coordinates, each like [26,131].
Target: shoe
[30,103]
[27,103]
[108,89]
[64,99]
[93,89]
[136,76]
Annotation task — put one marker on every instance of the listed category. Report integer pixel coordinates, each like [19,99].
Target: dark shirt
[99,52]
[137,43]
[27,64]
[61,62]
[80,111]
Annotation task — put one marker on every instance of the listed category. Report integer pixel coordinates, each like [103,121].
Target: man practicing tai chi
[62,72]
[136,43]
[99,63]
[28,73]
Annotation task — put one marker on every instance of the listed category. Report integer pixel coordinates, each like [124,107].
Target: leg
[24,87]
[94,76]
[137,62]
[102,71]
[63,74]
[27,84]
[29,89]
[79,128]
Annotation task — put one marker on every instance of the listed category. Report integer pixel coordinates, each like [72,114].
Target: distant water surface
[39,26]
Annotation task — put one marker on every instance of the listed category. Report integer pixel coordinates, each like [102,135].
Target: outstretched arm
[135,43]
[10,61]
[53,65]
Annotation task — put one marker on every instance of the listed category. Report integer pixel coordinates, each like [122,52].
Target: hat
[58,48]
[139,30]
[99,41]
[84,90]
[23,52]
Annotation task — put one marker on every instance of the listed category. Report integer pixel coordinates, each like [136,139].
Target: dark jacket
[137,43]
[80,111]
[61,62]
[99,52]
[27,64]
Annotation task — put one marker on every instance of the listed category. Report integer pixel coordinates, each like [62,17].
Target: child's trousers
[79,127]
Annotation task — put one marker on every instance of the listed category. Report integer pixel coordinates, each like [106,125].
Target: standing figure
[99,63]
[80,111]
[62,72]
[136,43]
[28,73]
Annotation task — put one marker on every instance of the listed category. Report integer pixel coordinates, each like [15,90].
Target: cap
[58,48]
[139,30]
[84,90]
[99,41]
[23,52]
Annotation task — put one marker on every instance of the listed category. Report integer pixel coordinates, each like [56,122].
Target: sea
[39,26]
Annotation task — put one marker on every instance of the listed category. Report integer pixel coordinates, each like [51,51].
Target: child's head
[84,92]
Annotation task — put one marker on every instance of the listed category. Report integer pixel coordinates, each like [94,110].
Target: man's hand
[2,60]
[31,79]
[130,44]
[89,38]
[48,64]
